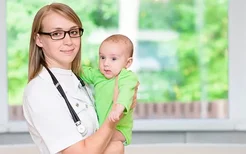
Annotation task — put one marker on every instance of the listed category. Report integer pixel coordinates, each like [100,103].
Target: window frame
[236,93]
[3,68]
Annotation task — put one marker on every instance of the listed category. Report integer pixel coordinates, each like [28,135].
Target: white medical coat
[49,120]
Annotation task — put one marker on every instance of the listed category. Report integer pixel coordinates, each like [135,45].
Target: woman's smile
[68,52]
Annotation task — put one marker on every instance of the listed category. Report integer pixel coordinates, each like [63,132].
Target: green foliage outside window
[182,84]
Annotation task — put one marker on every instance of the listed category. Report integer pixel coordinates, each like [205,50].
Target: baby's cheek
[117,71]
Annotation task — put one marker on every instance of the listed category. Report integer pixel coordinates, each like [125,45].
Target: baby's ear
[129,62]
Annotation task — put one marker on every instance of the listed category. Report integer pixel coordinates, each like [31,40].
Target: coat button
[77,104]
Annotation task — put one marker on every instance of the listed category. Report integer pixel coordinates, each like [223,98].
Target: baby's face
[112,58]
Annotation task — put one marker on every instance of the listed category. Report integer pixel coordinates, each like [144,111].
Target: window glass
[181,53]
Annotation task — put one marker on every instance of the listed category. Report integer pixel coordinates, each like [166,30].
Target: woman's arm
[95,143]
[101,140]
[57,130]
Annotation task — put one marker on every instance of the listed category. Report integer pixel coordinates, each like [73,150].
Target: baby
[115,56]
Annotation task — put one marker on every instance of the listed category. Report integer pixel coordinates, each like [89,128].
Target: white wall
[149,149]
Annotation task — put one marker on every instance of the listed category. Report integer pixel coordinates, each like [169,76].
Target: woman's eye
[74,32]
[57,33]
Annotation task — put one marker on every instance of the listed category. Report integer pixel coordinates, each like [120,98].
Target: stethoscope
[81,127]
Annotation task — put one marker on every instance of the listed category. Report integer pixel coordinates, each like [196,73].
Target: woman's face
[58,53]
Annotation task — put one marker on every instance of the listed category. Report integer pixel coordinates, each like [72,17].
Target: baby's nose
[106,63]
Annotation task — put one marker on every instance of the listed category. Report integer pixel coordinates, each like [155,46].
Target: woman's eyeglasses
[60,34]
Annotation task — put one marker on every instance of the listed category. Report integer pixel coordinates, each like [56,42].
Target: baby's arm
[89,74]
[127,83]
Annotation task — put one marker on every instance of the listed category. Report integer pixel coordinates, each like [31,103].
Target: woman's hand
[116,90]
[115,97]
[134,100]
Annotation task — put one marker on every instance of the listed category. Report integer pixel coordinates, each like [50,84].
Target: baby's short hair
[119,38]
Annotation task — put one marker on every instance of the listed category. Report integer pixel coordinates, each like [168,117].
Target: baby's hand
[116,112]
[114,116]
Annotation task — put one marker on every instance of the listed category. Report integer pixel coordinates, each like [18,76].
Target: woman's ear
[38,41]
[129,62]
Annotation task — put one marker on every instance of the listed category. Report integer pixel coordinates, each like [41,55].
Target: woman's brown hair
[36,56]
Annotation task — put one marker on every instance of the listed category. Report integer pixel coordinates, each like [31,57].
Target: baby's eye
[102,57]
[114,58]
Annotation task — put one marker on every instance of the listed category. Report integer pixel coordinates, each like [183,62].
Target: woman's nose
[67,39]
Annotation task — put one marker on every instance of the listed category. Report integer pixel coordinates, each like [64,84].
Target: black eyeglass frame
[81,31]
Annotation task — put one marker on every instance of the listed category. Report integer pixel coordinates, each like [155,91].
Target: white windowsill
[16,126]
[159,125]
[189,125]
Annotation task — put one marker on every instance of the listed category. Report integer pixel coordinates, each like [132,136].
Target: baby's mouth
[107,71]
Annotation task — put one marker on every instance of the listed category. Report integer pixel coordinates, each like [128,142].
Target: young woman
[58,107]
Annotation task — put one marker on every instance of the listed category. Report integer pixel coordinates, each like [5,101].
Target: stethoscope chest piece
[81,128]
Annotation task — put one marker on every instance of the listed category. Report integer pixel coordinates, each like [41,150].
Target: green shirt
[104,90]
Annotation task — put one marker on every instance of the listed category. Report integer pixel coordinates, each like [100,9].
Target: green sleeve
[127,81]
[89,74]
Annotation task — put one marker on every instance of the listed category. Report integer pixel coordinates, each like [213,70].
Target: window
[182,56]
[180,45]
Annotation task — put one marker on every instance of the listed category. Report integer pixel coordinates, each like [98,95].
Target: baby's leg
[115,147]
[118,136]
[116,144]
